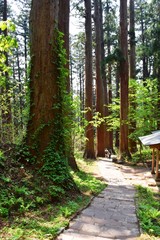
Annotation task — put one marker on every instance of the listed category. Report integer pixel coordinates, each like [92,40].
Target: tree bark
[123,81]
[109,134]
[99,83]
[63,24]
[132,128]
[89,131]
[45,96]
[144,57]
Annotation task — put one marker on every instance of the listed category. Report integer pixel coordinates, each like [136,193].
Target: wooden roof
[151,139]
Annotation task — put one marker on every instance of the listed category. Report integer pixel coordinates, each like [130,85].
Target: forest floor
[32,207]
[27,211]
[112,214]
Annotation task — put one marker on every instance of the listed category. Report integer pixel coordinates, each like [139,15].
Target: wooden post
[153,172]
[157,164]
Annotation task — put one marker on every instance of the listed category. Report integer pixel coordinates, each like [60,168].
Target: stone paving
[112,214]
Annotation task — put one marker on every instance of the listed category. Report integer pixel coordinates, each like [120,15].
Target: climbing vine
[55,165]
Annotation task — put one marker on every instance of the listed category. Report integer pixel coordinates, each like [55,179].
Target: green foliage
[55,165]
[145,113]
[22,152]
[149,210]
[113,120]
[7,44]
[27,209]
[56,192]
[79,124]
[2,159]
[97,119]
[116,56]
[63,119]
[87,183]
[7,25]
[55,168]
[142,156]
[16,198]
[70,208]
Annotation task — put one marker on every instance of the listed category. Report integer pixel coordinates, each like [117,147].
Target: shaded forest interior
[77,78]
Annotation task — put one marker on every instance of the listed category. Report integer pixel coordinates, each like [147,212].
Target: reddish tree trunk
[132,128]
[99,83]
[123,81]
[109,134]
[63,24]
[89,147]
[43,72]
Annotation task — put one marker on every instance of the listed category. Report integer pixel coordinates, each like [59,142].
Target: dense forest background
[69,94]
[117,111]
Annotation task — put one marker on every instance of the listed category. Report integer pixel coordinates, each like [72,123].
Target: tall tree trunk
[20,91]
[43,73]
[47,127]
[25,50]
[132,128]
[89,131]
[144,58]
[117,96]
[109,135]
[103,74]
[99,83]
[123,148]
[63,24]
[46,112]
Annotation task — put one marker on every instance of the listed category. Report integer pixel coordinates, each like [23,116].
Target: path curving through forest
[112,214]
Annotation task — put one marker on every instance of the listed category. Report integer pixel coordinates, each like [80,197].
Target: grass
[149,212]
[141,156]
[43,223]
[27,212]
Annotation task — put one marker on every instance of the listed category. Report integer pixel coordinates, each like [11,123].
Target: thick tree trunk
[123,81]
[103,74]
[117,96]
[132,128]
[89,131]
[63,24]
[109,143]
[43,74]
[109,134]
[20,91]
[25,50]
[144,58]
[99,83]
[47,127]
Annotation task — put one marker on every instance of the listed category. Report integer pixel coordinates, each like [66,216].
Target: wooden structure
[153,141]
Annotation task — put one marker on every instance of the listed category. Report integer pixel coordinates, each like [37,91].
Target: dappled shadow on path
[140,175]
[112,214]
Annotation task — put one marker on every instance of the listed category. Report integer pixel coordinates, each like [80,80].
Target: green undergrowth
[32,208]
[143,156]
[149,211]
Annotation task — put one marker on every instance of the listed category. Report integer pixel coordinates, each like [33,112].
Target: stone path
[112,214]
